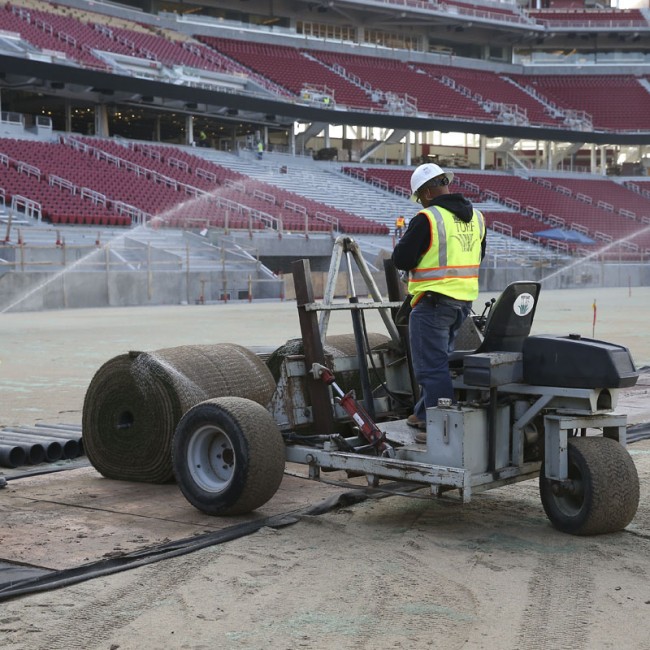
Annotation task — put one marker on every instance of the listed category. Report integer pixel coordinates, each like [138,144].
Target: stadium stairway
[319,181]
[325,182]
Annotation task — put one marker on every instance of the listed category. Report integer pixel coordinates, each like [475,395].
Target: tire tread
[262,469]
[611,484]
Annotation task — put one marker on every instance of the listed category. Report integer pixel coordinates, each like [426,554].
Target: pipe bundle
[21,445]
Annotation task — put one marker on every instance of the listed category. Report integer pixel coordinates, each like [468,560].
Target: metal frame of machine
[501,430]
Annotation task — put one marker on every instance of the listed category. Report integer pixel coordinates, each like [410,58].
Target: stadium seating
[79,185]
[362,82]
[549,205]
[607,194]
[387,77]
[494,88]
[293,210]
[359,81]
[59,202]
[290,68]
[48,32]
[587,17]
[600,96]
[537,204]
[492,11]
[154,181]
[76,38]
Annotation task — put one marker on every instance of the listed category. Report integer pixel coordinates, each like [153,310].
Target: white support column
[603,160]
[326,136]
[593,164]
[482,151]
[642,151]
[407,148]
[68,116]
[292,139]
[101,121]
[189,129]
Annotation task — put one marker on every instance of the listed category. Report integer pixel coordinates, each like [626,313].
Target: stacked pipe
[22,445]
[135,401]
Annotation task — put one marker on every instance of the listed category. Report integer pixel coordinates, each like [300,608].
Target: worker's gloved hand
[404,276]
[403,313]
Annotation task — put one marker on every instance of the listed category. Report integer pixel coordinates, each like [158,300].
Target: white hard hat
[423,174]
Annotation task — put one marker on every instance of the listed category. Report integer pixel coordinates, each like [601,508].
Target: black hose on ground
[67,577]
[77,463]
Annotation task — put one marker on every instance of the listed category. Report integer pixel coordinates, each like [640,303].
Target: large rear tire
[228,456]
[602,495]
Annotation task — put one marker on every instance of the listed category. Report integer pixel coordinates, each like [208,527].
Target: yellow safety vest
[399,222]
[450,265]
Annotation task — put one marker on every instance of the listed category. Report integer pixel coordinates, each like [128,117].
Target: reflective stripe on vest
[458,277]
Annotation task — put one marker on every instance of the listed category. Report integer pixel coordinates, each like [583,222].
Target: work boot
[415,422]
[421,437]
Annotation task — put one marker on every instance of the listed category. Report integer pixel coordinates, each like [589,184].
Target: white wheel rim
[211,459]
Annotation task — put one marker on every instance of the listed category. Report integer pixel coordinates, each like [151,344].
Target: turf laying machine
[525,407]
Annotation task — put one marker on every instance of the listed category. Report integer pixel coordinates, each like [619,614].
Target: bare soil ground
[393,572]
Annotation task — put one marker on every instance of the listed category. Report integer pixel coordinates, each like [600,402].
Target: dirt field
[393,572]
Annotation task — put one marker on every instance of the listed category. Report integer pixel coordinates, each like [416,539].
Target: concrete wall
[582,275]
[37,291]
[27,286]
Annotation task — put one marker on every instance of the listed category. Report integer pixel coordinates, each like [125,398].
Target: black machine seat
[508,324]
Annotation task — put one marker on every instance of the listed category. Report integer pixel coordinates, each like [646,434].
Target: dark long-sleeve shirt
[417,238]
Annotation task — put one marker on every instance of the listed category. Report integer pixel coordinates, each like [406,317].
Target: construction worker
[203,139]
[260,150]
[441,249]
[400,222]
